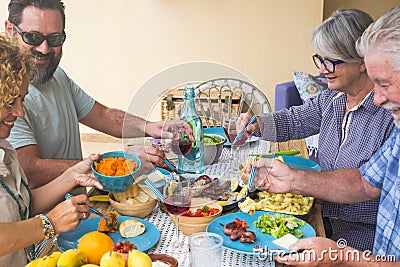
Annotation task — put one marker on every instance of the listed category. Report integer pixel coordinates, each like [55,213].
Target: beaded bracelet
[48,228]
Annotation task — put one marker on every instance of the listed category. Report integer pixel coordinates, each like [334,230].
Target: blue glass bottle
[193,162]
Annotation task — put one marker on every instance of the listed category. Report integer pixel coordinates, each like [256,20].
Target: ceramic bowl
[167,259]
[117,184]
[190,225]
[212,152]
[137,209]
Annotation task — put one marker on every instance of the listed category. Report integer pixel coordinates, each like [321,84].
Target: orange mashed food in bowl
[115,166]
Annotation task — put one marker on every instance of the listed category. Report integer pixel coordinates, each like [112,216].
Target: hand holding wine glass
[190,154]
[180,144]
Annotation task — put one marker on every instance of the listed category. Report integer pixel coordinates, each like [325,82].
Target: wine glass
[230,126]
[177,200]
[181,146]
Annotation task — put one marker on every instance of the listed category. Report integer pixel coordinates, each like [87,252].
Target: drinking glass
[230,126]
[205,249]
[177,201]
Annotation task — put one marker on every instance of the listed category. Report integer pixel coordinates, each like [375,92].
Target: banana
[100,198]
[49,261]
[72,258]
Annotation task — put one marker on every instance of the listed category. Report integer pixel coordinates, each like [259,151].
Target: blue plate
[143,242]
[299,163]
[262,240]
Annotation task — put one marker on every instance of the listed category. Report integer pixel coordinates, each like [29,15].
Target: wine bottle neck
[189,104]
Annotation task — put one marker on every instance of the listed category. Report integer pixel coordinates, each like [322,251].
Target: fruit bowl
[116,183]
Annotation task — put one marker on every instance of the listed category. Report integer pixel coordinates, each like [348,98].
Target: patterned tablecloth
[226,166]
[167,229]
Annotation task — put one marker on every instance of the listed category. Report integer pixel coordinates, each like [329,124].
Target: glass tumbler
[205,250]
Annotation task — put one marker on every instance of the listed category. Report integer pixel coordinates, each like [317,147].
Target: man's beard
[393,106]
[42,73]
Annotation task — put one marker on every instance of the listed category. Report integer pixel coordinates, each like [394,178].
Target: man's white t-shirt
[52,114]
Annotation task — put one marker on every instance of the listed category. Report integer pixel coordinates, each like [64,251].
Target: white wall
[113,47]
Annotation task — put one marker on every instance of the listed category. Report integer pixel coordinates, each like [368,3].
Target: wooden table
[314,218]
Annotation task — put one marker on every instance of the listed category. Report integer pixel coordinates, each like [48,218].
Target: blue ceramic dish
[70,240]
[117,184]
[262,240]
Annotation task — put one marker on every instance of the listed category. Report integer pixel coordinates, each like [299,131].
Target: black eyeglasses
[36,39]
[329,64]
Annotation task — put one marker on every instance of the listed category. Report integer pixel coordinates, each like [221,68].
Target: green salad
[210,140]
[279,225]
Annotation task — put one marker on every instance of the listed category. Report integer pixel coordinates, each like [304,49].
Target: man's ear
[9,28]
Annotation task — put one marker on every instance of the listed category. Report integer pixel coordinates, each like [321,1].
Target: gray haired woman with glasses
[351,127]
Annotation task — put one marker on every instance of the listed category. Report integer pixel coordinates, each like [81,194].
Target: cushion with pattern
[309,86]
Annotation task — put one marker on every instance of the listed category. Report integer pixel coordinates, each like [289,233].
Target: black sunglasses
[36,39]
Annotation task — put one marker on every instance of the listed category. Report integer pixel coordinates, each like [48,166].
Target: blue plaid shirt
[382,171]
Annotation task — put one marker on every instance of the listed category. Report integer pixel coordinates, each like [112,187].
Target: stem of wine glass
[183,168]
[176,242]
[237,159]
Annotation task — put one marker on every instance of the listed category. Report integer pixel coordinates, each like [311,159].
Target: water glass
[205,250]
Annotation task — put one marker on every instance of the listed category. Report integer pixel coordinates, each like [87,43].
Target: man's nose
[379,97]
[43,48]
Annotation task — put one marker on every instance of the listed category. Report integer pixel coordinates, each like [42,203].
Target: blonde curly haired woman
[22,223]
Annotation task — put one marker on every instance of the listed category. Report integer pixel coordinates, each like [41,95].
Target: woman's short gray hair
[383,35]
[336,37]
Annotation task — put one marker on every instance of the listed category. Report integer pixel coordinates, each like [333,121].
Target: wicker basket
[206,103]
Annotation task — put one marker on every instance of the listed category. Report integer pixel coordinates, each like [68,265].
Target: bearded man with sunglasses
[351,127]
[47,138]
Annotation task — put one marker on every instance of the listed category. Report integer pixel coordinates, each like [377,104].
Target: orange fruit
[94,245]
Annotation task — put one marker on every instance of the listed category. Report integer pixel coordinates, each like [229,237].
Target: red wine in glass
[177,204]
[241,141]
[231,134]
[181,146]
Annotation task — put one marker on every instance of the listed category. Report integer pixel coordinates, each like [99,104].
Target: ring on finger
[85,215]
